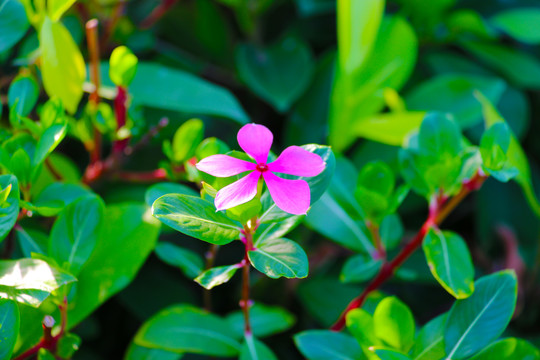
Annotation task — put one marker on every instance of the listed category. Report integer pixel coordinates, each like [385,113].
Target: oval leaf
[9,327]
[280,257]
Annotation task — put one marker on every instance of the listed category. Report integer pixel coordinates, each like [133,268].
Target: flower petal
[237,193]
[224,165]
[256,141]
[297,161]
[291,196]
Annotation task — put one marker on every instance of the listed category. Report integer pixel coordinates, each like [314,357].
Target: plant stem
[210,259]
[93,50]
[157,13]
[48,341]
[379,246]
[249,229]
[439,210]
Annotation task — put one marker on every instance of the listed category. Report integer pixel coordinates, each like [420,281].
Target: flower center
[261,167]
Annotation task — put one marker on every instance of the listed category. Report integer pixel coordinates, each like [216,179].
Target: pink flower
[292,196]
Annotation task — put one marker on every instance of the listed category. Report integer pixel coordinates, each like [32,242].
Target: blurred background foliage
[275,62]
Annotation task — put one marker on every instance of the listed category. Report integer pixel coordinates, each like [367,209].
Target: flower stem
[249,230]
[93,49]
[439,210]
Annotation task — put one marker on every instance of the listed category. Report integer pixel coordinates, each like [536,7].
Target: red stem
[245,302]
[120,110]
[157,13]
[439,210]
[146,176]
[48,341]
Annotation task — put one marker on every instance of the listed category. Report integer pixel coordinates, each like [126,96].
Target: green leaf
[522,69]
[265,320]
[30,281]
[520,23]
[429,343]
[386,354]
[475,322]
[62,64]
[267,231]
[211,146]
[23,94]
[394,323]
[253,349]
[186,140]
[32,241]
[358,24]
[67,345]
[280,257]
[327,345]
[188,329]
[61,192]
[195,217]
[122,66]
[13,23]
[494,145]
[216,276]
[156,86]
[76,231]
[280,73]
[453,94]
[515,154]
[329,218]
[360,268]
[246,211]
[360,324]
[189,261]
[356,97]
[9,327]
[317,184]
[136,352]
[48,141]
[389,128]
[44,354]
[130,233]
[21,167]
[9,209]
[450,262]
[375,185]
[57,8]
[509,349]
[158,190]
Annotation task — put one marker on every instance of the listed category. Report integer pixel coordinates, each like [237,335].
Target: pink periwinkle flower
[291,196]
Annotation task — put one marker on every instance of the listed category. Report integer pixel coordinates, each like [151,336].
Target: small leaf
[9,327]
[475,322]
[494,146]
[280,257]
[361,326]
[30,281]
[253,349]
[44,354]
[58,7]
[9,210]
[186,139]
[360,268]
[188,329]
[327,345]
[13,24]
[265,320]
[189,261]
[394,323]
[279,74]
[520,23]
[389,128]
[211,146]
[67,345]
[76,231]
[386,354]
[122,66]
[216,276]
[429,343]
[450,262]
[509,349]
[48,141]
[23,94]
[62,64]
[195,217]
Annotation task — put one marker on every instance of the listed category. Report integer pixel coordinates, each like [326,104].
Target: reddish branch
[157,13]
[439,210]
[245,302]
[120,111]
[48,341]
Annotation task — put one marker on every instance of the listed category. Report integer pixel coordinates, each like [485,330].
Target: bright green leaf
[450,262]
[394,323]
[475,322]
[186,139]
[23,91]
[62,64]
[280,257]
[188,329]
[122,66]
[48,141]
[389,128]
[509,349]
[327,345]
[195,217]
[9,327]
[9,210]
[216,276]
